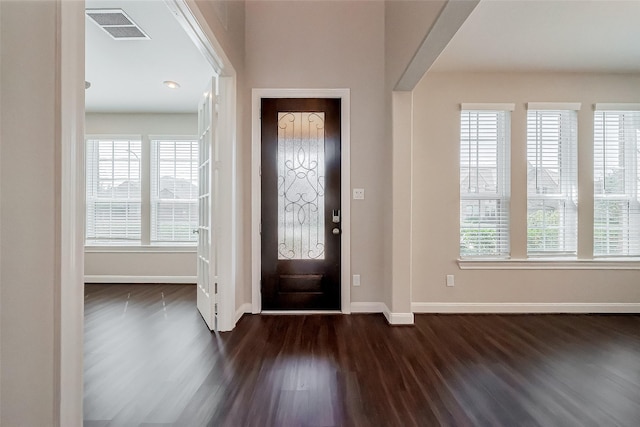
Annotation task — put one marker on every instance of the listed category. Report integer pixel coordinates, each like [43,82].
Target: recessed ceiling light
[171,84]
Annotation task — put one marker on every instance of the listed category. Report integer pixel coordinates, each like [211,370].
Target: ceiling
[566,36]
[127,76]
[511,35]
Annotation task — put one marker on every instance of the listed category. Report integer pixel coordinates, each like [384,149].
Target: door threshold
[298,312]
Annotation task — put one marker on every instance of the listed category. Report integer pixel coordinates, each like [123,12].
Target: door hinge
[260,227]
[215,288]
[260,171]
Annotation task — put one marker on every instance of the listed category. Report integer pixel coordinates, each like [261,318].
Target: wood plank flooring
[150,361]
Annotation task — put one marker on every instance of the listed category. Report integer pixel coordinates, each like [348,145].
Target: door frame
[190,17]
[69,287]
[345,185]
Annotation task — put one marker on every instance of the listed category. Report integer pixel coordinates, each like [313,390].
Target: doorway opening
[151,141]
[71,24]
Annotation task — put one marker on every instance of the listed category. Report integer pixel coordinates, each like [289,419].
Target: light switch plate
[356,280]
[358,194]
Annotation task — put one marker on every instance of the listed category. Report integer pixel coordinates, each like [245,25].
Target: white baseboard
[298,312]
[367,307]
[244,308]
[380,307]
[398,318]
[446,307]
[140,279]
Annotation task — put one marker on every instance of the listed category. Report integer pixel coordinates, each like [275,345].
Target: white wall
[226,19]
[102,266]
[29,221]
[141,123]
[332,45]
[435,198]
[165,265]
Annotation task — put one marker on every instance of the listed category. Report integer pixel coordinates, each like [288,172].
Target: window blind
[616,178]
[552,182]
[113,190]
[484,183]
[174,191]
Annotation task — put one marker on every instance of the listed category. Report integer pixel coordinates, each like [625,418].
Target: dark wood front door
[301,204]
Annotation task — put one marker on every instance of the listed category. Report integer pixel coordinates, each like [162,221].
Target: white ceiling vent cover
[117,24]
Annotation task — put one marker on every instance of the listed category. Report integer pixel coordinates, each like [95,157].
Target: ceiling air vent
[117,24]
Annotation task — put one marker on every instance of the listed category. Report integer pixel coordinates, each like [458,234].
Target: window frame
[583,260]
[630,227]
[89,199]
[502,195]
[153,181]
[567,196]
[144,244]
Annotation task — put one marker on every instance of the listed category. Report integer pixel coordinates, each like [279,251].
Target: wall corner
[401,131]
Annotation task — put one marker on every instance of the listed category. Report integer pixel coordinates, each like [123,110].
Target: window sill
[139,249]
[550,264]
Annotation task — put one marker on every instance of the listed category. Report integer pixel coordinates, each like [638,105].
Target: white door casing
[188,14]
[225,200]
[345,164]
[70,55]
[217,222]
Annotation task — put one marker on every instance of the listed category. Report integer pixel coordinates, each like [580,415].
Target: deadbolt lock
[336,216]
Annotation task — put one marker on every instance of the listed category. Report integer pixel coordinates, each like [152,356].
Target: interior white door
[207,288]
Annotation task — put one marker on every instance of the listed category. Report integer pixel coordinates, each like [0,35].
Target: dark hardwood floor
[150,361]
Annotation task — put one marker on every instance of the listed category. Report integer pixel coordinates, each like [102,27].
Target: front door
[301,216]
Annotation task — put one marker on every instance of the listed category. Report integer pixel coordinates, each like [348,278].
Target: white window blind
[484,183]
[174,191]
[616,178]
[113,190]
[552,182]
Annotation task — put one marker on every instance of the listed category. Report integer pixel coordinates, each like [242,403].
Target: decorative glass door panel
[301,185]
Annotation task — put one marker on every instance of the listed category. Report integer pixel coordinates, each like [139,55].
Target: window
[141,192]
[174,190]
[616,178]
[113,190]
[484,182]
[552,181]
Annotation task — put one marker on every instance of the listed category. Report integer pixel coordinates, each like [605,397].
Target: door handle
[335,230]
